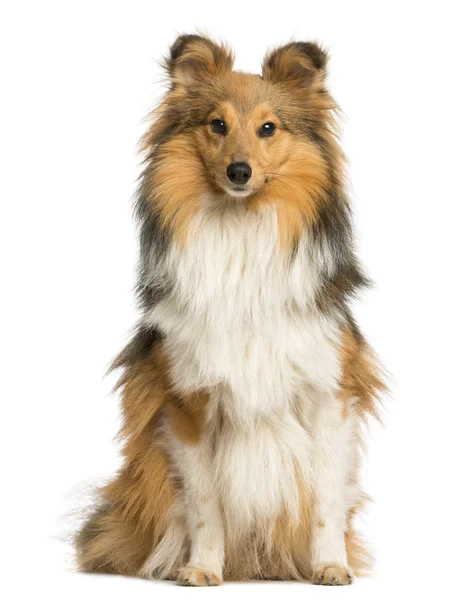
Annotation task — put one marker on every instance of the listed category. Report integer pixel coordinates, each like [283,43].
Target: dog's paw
[197,576]
[332,575]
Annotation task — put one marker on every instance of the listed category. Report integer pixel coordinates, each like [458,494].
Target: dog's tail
[108,543]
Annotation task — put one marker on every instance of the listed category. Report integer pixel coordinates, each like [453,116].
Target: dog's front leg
[192,456]
[333,450]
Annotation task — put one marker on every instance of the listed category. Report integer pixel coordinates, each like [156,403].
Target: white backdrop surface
[78,78]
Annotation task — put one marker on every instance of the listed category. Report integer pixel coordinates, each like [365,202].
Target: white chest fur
[240,314]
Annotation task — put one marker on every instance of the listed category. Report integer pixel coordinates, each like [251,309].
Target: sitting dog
[247,381]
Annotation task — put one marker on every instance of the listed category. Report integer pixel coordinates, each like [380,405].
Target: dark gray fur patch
[333,231]
[154,241]
[138,348]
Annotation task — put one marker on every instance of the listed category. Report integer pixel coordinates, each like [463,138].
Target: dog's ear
[193,58]
[300,64]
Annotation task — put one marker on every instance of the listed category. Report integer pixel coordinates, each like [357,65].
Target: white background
[77,79]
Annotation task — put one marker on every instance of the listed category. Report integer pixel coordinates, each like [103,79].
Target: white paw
[198,576]
[332,575]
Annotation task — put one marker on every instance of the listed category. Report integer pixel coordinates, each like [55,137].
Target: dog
[247,382]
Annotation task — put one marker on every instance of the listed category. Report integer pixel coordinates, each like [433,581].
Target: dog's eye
[267,129]
[218,126]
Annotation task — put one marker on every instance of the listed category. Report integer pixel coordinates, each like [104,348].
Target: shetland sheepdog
[247,382]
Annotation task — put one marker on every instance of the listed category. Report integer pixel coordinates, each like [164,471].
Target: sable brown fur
[361,375]
[132,517]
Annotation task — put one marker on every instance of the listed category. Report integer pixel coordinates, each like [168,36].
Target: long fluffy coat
[247,381]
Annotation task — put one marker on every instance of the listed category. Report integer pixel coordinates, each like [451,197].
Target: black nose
[239,172]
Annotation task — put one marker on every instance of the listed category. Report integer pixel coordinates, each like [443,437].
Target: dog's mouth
[238,191]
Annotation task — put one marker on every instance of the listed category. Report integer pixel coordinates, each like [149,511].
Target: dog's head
[243,137]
